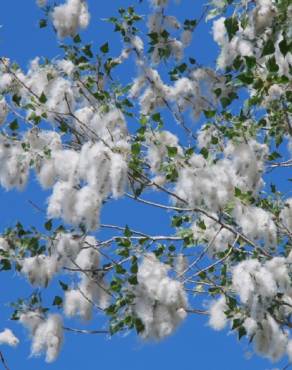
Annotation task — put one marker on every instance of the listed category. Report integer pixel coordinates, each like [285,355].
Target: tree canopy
[210,145]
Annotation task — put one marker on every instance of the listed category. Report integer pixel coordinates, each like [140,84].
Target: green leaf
[14,125]
[209,113]
[171,151]
[133,280]
[134,268]
[182,67]
[139,325]
[116,285]
[177,221]
[6,265]
[225,102]
[236,323]
[63,285]
[43,23]
[272,65]
[104,48]
[156,117]
[274,155]
[77,39]
[128,233]
[268,48]
[42,98]
[201,225]
[48,225]
[241,332]
[231,25]
[136,148]
[246,78]
[16,99]
[87,51]
[237,192]
[214,140]
[204,151]
[63,126]
[250,61]
[119,269]
[285,47]
[58,301]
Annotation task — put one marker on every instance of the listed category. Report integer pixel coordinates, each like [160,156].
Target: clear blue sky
[194,346]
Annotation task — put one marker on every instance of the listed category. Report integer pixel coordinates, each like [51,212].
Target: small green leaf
[241,332]
[6,265]
[237,192]
[16,99]
[43,23]
[246,78]
[209,113]
[250,61]
[104,48]
[43,98]
[201,225]
[63,126]
[119,269]
[285,47]
[172,151]
[156,117]
[139,325]
[128,233]
[272,65]
[268,48]
[63,285]
[48,225]
[231,25]
[77,39]
[274,155]
[136,148]
[133,280]
[204,151]
[58,301]
[14,125]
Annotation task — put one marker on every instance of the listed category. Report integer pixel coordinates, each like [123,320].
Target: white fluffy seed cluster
[81,177]
[257,285]
[194,93]
[66,250]
[91,289]
[3,110]
[102,173]
[7,337]
[218,319]
[81,255]
[88,294]
[158,23]
[286,214]
[249,41]
[212,185]
[14,164]
[69,17]
[158,144]
[160,301]
[218,238]
[257,224]
[47,333]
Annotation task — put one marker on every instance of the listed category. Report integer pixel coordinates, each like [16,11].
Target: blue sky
[194,346]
